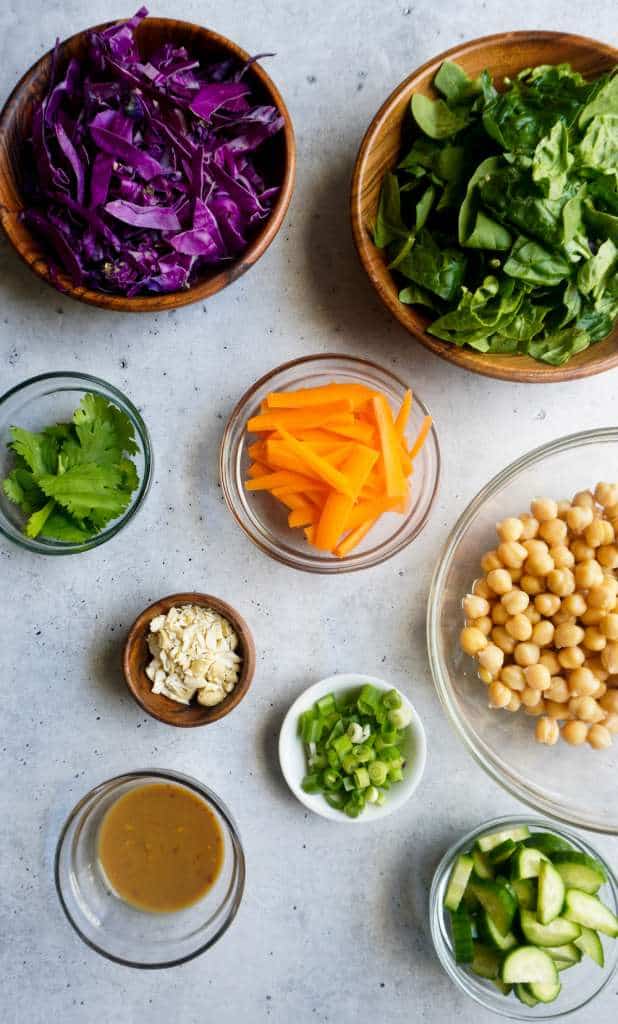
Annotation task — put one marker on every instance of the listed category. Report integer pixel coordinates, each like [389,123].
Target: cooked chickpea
[599,737]
[499,581]
[547,604]
[536,710]
[536,546]
[537,677]
[491,658]
[594,639]
[475,607]
[472,640]
[499,694]
[558,692]
[578,518]
[582,682]
[592,617]
[600,691]
[599,532]
[490,561]
[514,703]
[526,654]
[567,634]
[543,633]
[571,657]
[485,676]
[606,494]
[607,556]
[575,604]
[602,597]
[556,710]
[544,509]
[499,614]
[563,556]
[561,616]
[588,574]
[515,574]
[554,531]
[503,640]
[513,677]
[611,724]
[547,731]
[549,659]
[530,698]
[585,709]
[515,602]
[480,589]
[609,658]
[584,499]
[563,507]
[531,584]
[532,615]
[485,624]
[512,554]
[597,668]
[510,529]
[519,627]
[574,733]
[582,552]
[540,564]
[561,582]
[530,526]
[609,701]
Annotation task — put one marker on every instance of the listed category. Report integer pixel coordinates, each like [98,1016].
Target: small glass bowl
[119,931]
[264,520]
[574,784]
[52,398]
[579,985]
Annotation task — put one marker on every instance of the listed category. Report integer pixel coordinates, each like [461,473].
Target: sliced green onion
[311,783]
[356,732]
[336,800]
[337,730]
[400,717]
[364,753]
[395,773]
[392,699]
[348,783]
[343,745]
[391,754]
[331,779]
[368,700]
[378,772]
[361,778]
[372,795]
[327,704]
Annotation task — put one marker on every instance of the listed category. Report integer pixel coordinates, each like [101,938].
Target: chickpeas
[542,621]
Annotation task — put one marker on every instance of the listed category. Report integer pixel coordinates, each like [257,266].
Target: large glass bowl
[119,931]
[264,520]
[579,985]
[52,398]
[574,784]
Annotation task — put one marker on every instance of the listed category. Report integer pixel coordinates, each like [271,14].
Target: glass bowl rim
[477,747]
[145,483]
[355,562]
[454,970]
[207,794]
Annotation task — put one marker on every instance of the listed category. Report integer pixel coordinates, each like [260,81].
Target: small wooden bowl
[504,55]
[277,157]
[136,657]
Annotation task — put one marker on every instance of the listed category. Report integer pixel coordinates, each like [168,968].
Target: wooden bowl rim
[463,357]
[138,633]
[200,289]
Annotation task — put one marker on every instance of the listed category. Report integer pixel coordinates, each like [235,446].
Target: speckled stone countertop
[333,927]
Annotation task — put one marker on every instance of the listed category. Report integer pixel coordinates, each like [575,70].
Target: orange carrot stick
[354,538]
[337,507]
[403,415]
[421,437]
[371,509]
[319,465]
[296,419]
[305,516]
[304,398]
[389,443]
[257,469]
[281,478]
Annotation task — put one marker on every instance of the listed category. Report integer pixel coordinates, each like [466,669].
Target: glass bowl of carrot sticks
[330,464]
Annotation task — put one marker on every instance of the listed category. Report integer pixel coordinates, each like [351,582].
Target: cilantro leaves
[502,216]
[73,479]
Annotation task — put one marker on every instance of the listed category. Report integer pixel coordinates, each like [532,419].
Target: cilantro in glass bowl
[75,462]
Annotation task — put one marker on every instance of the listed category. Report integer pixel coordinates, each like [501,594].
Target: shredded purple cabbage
[145,173]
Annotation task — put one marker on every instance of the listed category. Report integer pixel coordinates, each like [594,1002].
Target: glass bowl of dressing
[150,868]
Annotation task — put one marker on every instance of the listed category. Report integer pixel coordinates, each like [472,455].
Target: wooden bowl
[277,157]
[504,55]
[136,656]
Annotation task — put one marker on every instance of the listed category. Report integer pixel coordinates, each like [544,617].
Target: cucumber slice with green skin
[502,986]
[551,893]
[579,871]
[461,929]
[590,944]
[528,964]
[547,842]
[460,876]
[502,852]
[562,966]
[526,862]
[482,867]
[567,954]
[492,936]
[526,893]
[545,992]
[558,933]
[516,833]
[485,962]
[588,911]
[496,899]
[524,995]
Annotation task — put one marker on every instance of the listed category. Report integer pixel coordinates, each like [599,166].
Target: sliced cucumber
[502,985]
[461,928]
[485,962]
[588,911]
[562,966]
[546,842]
[497,900]
[526,862]
[488,842]
[558,933]
[579,871]
[524,995]
[482,867]
[567,954]
[528,964]
[492,936]
[545,992]
[526,892]
[460,876]
[502,852]
[590,944]
[551,893]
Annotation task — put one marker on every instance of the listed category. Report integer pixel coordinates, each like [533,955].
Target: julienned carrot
[337,507]
[281,478]
[296,419]
[403,415]
[308,515]
[257,469]
[371,509]
[291,499]
[319,465]
[279,456]
[389,443]
[354,538]
[421,437]
[358,431]
[357,394]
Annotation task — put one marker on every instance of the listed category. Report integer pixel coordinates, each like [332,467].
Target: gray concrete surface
[333,926]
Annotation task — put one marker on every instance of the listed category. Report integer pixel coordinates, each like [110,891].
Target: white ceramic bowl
[294,766]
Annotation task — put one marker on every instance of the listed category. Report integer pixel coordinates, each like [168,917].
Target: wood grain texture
[277,157]
[504,55]
[136,657]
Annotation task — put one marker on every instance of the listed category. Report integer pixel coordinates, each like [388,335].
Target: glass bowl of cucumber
[523,918]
